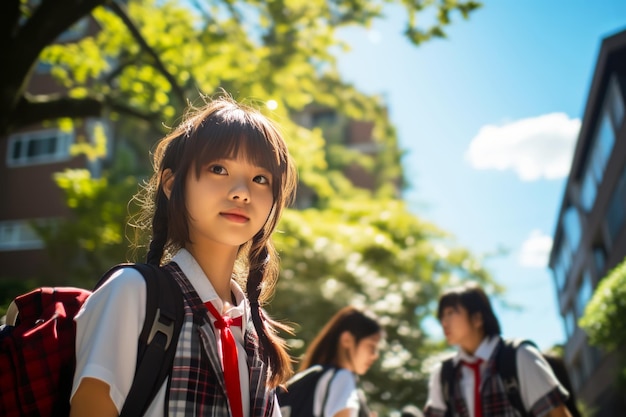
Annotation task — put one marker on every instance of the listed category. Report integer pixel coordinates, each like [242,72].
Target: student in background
[342,351]
[469,323]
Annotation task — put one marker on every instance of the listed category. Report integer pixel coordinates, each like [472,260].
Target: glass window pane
[571,224]
[588,191]
[605,140]
[17,149]
[599,259]
[570,323]
[616,212]
[584,294]
[616,103]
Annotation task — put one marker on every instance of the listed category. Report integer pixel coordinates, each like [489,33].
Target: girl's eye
[217,169]
[261,179]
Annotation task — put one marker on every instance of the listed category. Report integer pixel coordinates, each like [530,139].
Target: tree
[375,254]
[263,48]
[603,320]
[148,57]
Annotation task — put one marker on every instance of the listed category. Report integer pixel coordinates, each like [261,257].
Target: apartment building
[590,237]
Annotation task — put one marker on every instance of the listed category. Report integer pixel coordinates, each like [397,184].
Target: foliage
[154,54]
[9,289]
[86,244]
[603,319]
[146,58]
[375,254]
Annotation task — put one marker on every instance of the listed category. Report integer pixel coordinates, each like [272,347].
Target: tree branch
[120,11]
[33,109]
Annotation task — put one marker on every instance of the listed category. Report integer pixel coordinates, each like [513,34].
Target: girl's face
[362,355]
[458,327]
[228,203]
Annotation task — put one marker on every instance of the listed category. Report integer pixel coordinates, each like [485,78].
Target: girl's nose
[240,192]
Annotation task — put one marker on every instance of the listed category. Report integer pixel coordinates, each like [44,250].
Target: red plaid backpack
[37,349]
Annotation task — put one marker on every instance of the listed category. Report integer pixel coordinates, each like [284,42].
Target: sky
[489,119]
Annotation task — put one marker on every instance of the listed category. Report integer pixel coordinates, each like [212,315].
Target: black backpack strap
[506,366]
[446,379]
[158,337]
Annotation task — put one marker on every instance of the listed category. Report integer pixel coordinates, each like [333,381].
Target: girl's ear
[167,182]
[346,340]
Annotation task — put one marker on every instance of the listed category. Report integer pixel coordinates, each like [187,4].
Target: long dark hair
[323,349]
[221,129]
[473,298]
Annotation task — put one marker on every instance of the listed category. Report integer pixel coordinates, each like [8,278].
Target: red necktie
[229,358]
[475,366]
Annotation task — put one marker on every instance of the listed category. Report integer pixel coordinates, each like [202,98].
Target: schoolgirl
[469,322]
[346,347]
[221,181]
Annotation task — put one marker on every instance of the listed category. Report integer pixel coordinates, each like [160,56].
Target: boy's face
[457,325]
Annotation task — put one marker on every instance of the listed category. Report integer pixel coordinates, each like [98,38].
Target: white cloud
[535,148]
[535,250]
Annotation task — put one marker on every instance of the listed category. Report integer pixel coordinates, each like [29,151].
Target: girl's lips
[233,217]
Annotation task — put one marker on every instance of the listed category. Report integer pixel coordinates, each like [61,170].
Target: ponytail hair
[224,128]
[323,349]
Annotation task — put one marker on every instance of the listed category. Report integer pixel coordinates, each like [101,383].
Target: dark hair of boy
[473,298]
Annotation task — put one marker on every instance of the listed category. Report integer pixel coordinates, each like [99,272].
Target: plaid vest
[493,395]
[197,386]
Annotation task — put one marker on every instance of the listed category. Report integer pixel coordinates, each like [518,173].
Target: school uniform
[107,332]
[337,390]
[539,388]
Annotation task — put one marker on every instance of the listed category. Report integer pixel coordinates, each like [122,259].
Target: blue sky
[489,118]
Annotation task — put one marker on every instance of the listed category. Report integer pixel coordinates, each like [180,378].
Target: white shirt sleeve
[536,378]
[342,394]
[435,396]
[107,330]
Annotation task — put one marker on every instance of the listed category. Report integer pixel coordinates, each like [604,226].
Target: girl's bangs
[229,140]
[451,299]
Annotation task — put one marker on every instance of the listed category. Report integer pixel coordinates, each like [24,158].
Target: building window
[570,322]
[564,261]
[616,103]
[615,214]
[599,153]
[599,260]
[39,147]
[572,227]
[584,293]
[18,235]
[324,118]
[559,275]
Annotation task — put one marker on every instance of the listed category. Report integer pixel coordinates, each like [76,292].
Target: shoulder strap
[158,337]
[330,381]
[446,378]
[506,365]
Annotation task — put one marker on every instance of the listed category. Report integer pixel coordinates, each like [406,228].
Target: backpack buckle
[165,327]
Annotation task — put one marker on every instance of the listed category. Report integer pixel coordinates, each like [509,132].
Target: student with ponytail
[221,181]
[327,384]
